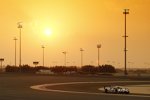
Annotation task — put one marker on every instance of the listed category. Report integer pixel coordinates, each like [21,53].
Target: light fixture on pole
[81,56]
[98,46]
[15,39]
[126,11]
[20,27]
[43,47]
[65,58]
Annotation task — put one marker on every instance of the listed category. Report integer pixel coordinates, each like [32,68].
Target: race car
[116,89]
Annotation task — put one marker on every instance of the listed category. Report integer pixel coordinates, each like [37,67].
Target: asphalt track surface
[17,87]
[97,91]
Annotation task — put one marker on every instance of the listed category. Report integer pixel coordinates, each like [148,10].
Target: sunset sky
[76,24]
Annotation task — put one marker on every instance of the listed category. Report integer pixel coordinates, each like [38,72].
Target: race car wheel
[106,91]
[126,92]
[116,91]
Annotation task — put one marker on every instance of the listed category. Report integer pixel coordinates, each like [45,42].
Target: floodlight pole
[126,11]
[65,57]
[20,27]
[98,46]
[81,56]
[43,54]
[15,39]
[1,60]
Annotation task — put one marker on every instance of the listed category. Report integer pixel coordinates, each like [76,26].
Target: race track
[17,87]
[135,90]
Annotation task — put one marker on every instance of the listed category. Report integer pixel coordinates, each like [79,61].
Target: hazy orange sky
[76,24]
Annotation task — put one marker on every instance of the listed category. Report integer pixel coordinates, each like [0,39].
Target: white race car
[116,89]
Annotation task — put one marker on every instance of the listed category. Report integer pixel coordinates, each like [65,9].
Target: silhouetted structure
[90,69]
[15,39]
[20,27]
[65,57]
[86,69]
[107,69]
[35,63]
[126,11]
[81,56]
[98,46]
[1,60]
[43,54]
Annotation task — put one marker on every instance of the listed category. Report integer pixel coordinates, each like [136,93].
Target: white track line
[43,87]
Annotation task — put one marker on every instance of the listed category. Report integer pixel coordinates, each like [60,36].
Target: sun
[48,32]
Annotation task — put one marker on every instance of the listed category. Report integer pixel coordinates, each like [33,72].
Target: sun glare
[48,32]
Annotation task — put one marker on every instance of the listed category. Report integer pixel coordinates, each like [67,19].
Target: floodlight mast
[1,60]
[81,56]
[15,39]
[20,27]
[126,11]
[98,46]
[65,58]
[43,47]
